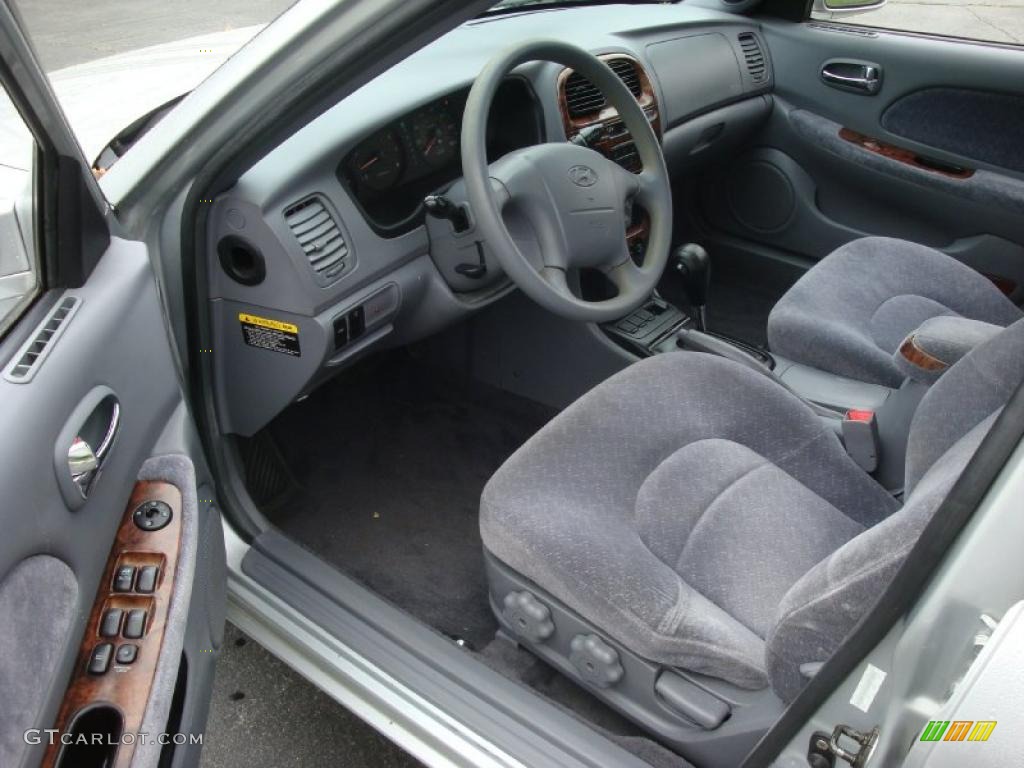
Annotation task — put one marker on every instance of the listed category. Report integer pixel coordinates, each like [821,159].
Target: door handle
[85,443]
[859,76]
[83,460]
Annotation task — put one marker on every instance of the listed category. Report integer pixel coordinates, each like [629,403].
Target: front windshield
[112,63]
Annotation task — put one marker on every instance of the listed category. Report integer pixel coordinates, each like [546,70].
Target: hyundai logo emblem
[583,176]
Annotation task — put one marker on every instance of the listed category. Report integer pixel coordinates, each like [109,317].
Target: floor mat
[390,460]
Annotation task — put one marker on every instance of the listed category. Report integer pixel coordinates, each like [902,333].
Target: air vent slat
[31,356]
[582,98]
[754,57]
[318,235]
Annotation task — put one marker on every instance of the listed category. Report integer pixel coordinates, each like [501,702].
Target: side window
[987,21]
[19,273]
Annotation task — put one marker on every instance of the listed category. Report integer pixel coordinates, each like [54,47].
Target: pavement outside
[264,714]
[1000,21]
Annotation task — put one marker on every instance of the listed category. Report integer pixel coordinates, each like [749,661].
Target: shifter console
[642,329]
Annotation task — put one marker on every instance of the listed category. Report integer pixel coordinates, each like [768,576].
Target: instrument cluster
[390,172]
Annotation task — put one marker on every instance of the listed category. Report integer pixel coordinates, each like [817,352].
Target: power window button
[135,624]
[146,582]
[111,623]
[124,578]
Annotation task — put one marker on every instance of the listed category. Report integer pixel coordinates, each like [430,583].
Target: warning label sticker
[273,335]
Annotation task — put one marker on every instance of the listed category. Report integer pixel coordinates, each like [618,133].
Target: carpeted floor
[390,460]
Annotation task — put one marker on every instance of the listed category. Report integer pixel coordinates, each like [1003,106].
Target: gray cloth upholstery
[851,311]
[827,602]
[589,509]
[983,125]
[701,515]
[971,390]
[38,600]
[944,338]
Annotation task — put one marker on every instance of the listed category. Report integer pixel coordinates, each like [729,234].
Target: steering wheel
[567,206]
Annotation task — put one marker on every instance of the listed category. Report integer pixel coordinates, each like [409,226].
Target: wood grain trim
[899,154]
[639,231]
[648,100]
[916,356]
[127,687]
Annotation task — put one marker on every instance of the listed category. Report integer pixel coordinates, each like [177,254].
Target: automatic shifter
[693,265]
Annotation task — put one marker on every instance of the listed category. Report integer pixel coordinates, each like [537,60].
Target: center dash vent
[583,98]
[35,350]
[319,236]
[757,66]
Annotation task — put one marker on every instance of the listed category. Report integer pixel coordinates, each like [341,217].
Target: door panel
[932,155]
[55,552]
[95,436]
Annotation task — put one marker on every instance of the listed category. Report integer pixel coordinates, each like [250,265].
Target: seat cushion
[851,311]
[675,504]
[736,527]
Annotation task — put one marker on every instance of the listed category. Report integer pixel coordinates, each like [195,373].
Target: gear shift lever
[692,263]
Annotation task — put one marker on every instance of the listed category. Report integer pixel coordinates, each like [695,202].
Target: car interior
[627,347]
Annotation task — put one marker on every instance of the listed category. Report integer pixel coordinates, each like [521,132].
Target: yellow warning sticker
[271,335]
[266,322]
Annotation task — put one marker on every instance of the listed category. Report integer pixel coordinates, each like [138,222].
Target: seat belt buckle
[860,437]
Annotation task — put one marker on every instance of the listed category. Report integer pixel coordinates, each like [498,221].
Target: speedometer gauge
[377,163]
[435,132]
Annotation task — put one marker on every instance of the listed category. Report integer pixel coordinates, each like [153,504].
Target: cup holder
[93,738]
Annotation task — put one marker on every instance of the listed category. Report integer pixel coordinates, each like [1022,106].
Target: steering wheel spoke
[626,276]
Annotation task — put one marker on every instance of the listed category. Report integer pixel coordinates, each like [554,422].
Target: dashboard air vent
[31,356]
[583,98]
[318,235]
[754,57]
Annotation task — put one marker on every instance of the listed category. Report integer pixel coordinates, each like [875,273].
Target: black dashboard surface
[392,170]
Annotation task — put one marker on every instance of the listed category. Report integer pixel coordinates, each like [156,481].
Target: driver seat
[695,515]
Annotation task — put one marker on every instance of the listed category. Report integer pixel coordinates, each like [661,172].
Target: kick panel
[117,660]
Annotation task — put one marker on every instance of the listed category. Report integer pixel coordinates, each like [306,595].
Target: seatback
[822,607]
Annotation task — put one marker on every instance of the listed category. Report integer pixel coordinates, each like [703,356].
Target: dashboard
[390,172]
[322,251]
